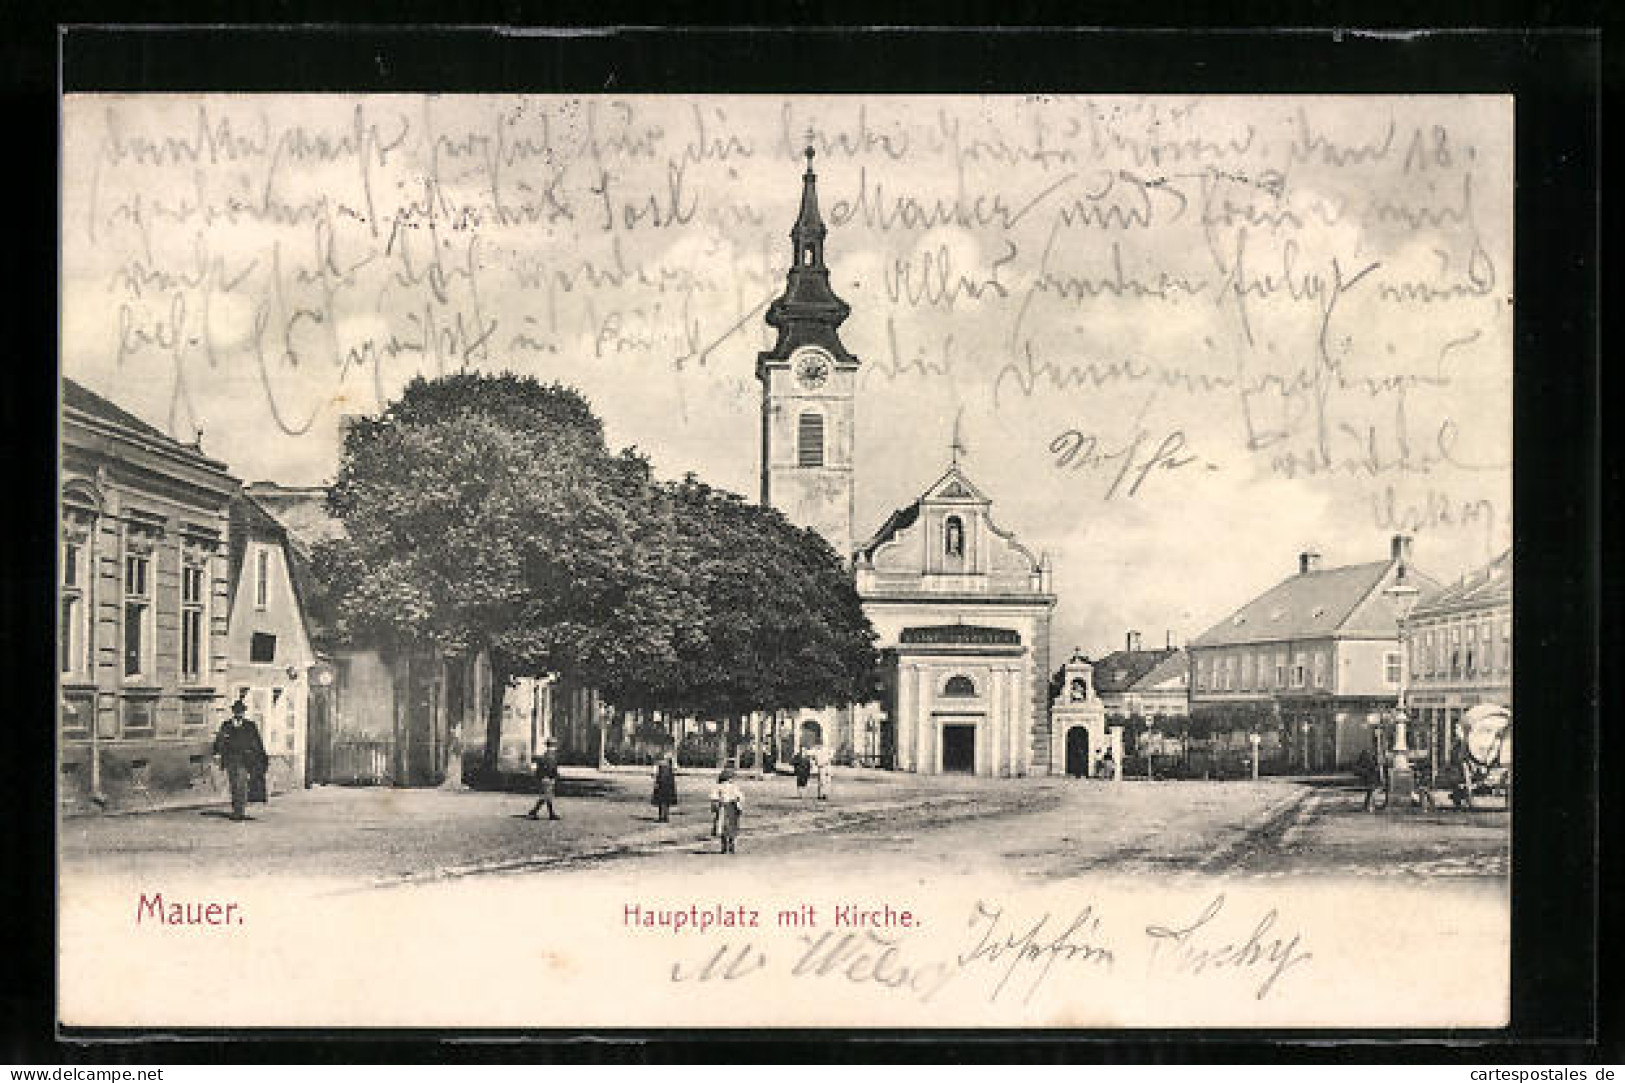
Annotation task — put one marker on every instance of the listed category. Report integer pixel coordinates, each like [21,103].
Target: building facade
[963,612]
[143,611]
[268,640]
[1164,691]
[1309,664]
[962,609]
[1458,647]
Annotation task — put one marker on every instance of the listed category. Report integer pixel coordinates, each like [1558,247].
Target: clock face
[812,369]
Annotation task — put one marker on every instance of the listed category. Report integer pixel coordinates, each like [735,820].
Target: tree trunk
[756,740]
[603,729]
[490,757]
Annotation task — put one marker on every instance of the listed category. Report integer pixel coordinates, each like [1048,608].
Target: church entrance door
[1077,751]
[959,747]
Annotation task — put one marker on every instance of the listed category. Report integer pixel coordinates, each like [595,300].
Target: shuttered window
[810,440]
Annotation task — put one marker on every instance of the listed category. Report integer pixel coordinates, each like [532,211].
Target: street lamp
[1401,598]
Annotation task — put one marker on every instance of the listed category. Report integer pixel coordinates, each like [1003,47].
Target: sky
[1185,338]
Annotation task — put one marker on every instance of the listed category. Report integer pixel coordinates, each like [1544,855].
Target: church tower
[808,385]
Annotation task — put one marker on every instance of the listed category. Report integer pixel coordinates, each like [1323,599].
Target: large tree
[781,624]
[485,514]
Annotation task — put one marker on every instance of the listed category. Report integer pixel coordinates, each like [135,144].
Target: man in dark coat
[242,754]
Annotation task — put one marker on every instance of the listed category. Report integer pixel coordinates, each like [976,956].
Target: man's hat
[238,707]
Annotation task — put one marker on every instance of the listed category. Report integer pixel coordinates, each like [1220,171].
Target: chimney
[1168,640]
[1400,548]
[1308,561]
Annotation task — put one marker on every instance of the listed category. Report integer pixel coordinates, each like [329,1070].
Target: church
[962,609]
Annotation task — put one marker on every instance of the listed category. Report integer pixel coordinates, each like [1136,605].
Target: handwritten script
[1133,298]
[1025,956]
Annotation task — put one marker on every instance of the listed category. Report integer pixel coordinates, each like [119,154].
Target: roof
[78,397]
[1177,665]
[1486,587]
[895,523]
[1317,604]
[1121,670]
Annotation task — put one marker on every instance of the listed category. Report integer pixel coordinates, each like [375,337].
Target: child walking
[729,802]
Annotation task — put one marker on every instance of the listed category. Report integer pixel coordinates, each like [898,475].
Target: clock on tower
[808,383]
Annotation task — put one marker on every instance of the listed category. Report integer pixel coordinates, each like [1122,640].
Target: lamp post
[1401,598]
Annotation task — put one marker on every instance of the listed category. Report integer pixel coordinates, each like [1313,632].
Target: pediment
[956,487]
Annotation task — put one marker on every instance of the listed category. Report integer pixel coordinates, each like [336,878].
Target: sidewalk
[381,835]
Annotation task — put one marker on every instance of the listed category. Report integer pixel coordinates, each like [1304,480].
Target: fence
[360,763]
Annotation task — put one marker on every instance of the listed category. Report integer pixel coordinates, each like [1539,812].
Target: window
[1320,669]
[959,685]
[1280,670]
[1390,666]
[810,440]
[1298,671]
[137,615]
[1246,672]
[1455,663]
[1201,673]
[1506,646]
[193,624]
[262,578]
[953,537]
[262,648]
[73,632]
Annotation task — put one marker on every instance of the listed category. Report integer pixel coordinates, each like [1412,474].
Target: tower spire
[808,312]
[957,448]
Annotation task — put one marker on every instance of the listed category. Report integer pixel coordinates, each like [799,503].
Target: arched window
[810,440]
[953,537]
[959,685]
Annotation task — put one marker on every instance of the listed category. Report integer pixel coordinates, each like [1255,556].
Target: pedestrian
[825,773]
[1108,765]
[242,754]
[547,781]
[665,793]
[803,766]
[716,800]
[1365,771]
[729,802]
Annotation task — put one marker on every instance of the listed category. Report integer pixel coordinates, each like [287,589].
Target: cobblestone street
[1042,829]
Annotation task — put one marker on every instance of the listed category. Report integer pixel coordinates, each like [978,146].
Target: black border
[1556,76]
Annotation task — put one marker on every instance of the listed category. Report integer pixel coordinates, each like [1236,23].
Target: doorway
[812,734]
[959,748]
[1077,751]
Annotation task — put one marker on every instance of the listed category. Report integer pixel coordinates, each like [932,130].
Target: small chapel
[962,608]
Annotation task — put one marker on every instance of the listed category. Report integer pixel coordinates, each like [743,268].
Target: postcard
[785,561]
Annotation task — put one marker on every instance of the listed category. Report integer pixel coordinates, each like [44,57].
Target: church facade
[962,609]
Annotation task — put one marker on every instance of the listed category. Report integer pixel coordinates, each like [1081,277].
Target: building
[142,633]
[1118,675]
[1164,691]
[1458,647]
[1308,664]
[962,609]
[268,640]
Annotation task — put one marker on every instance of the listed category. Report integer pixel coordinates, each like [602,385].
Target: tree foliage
[486,514]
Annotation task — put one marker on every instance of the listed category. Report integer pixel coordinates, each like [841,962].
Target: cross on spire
[957,448]
[809,152]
